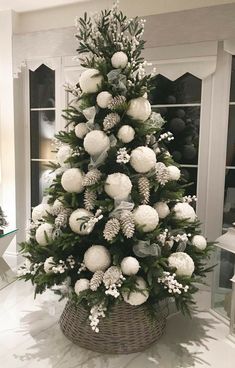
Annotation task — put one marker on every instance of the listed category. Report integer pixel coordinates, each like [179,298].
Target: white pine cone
[116,102]
[127,224]
[110,121]
[144,189]
[62,219]
[96,280]
[111,276]
[89,199]
[112,228]
[161,173]
[92,177]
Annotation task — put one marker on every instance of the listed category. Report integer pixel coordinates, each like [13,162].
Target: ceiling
[30,5]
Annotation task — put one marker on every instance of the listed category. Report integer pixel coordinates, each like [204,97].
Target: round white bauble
[118,186]
[90,81]
[119,60]
[162,209]
[72,180]
[183,211]
[40,211]
[182,262]
[130,266]
[143,159]
[174,172]
[49,264]
[43,233]
[146,218]
[97,258]
[63,154]
[96,142]
[199,242]
[81,285]
[126,134]
[103,99]
[81,130]
[139,109]
[137,297]
[76,219]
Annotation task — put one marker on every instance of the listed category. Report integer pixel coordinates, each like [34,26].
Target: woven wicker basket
[126,330]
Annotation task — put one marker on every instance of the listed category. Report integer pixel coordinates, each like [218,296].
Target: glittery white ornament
[130,266]
[81,285]
[43,233]
[118,186]
[72,180]
[174,172]
[96,142]
[119,60]
[143,159]
[199,242]
[48,264]
[183,211]
[97,258]
[63,154]
[76,221]
[126,133]
[40,211]
[103,99]
[90,81]
[146,218]
[162,209]
[81,130]
[139,109]
[182,262]
[137,297]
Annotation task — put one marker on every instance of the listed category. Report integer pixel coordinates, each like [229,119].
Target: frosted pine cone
[112,228]
[89,199]
[92,177]
[96,280]
[127,224]
[117,103]
[62,219]
[111,276]
[161,173]
[110,121]
[144,189]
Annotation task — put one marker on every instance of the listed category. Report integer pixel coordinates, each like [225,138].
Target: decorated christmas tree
[3,221]
[115,227]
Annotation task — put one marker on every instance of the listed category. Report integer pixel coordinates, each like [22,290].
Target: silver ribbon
[120,206]
[97,161]
[144,249]
[89,114]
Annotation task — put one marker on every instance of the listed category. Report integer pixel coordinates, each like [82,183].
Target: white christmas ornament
[130,266]
[146,218]
[103,99]
[199,242]
[81,285]
[119,60]
[72,180]
[40,211]
[63,154]
[126,134]
[81,130]
[43,233]
[90,81]
[97,258]
[183,211]
[96,142]
[143,159]
[182,262]
[118,186]
[139,109]
[48,264]
[57,207]
[76,221]
[137,297]
[174,172]
[162,209]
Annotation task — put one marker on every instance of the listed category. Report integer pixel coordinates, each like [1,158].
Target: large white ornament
[43,233]
[199,242]
[146,218]
[183,211]
[81,285]
[63,154]
[96,142]
[118,186]
[97,258]
[76,221]
[103,99]
[162,209]
[72,180]
[90,81]
[143,159]
[126,134]
[119,60]
[49,264]
[130,266]
[81,130]
[137,297]
[182,262]
[174,172]
[139,109]
[40,211]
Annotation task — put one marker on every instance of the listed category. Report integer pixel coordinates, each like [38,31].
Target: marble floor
[30,337]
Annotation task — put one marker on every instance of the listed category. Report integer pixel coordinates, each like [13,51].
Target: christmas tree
[115,226]
[3,221]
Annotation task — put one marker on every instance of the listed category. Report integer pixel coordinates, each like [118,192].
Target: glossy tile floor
[30,337]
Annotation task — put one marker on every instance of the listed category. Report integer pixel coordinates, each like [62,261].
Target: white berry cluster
[113,288]
[122,156]
[169,281]
[96,312]
[168,136]
[29,268]
[181,237]
[188,199]
[82,268]
[162,237]
[89,225]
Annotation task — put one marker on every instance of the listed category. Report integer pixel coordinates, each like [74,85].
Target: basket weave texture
[127,329]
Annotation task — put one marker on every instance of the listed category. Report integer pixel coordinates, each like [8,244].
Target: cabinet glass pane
[232,89]
[42,88]
[41,178]
[190,174]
